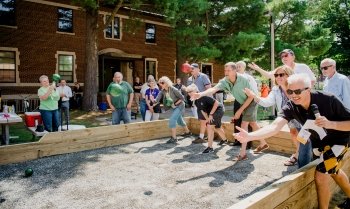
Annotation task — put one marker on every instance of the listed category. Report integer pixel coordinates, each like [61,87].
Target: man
[202,82]
[137,95]
[335,83]
[119,97]
[241,66]
[65,93]
[288,58]
[235,83]
[335,118]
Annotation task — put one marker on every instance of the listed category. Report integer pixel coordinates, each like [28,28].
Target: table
[5,125]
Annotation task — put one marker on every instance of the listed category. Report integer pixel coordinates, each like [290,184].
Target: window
[150,33]
[65,67]
[150,68]
[113,32]
[7,67]
[7,12]
[65,20]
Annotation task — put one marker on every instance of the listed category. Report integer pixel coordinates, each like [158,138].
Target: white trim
[30,84]
[74,62]
[65,33]
[154,60]
[212,70]
[55,4]
[112,25]
[17,80]
[9,26]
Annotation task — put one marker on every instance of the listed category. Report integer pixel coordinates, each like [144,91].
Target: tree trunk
[91,60]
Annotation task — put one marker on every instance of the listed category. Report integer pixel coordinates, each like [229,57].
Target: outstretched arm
[261,71]
[207,92]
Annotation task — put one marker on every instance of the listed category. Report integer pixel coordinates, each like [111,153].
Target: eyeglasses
[279,75]
[326,67]
[161,83]
[284,55]
[296,91]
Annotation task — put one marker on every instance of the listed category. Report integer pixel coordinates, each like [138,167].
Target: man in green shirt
[119,97]
[235,83]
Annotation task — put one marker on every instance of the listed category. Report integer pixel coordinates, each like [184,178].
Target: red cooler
[31,117]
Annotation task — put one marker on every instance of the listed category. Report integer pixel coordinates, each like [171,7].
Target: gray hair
[43,77]
[192,88]
[330,61]
[300,77]
[118,73]
[232,65]
[166,80]
[242,64]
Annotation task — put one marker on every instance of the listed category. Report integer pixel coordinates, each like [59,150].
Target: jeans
[120,115]
[176,117]
[50,120]
[305,154]
[143,107]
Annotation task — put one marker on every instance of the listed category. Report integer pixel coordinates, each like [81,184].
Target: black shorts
[217,116]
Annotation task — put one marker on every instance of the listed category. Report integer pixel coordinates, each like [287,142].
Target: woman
[48,104]
[137,95]
[172,99]
[212,111]
[143,105]
[152,112]
[278,97]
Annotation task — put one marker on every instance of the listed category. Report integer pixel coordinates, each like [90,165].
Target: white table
[5,125]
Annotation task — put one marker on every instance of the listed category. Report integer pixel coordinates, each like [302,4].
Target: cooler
[31,117]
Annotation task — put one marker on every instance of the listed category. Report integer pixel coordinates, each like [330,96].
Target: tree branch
[115,10]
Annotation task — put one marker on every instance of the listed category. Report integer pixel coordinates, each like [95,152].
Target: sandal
[241,158]
[259,149]
[291,161]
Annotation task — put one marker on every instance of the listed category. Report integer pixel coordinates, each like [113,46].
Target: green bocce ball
[28,172]
[168,101]
[56,77]
[116,90]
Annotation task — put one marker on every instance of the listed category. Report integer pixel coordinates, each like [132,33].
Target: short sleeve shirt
[122,99]
[201,81]
[236,89]
[330,107]
[302,68]
[51,103]
[205,103]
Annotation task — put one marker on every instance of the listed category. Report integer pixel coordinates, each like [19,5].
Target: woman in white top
[278,97]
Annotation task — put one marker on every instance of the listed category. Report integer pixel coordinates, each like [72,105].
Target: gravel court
[149,174]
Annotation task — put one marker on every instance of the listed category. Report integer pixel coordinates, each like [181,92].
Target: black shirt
[206,103]
[137,90]
[330,107]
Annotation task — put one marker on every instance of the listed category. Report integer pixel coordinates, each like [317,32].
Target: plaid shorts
[330,158]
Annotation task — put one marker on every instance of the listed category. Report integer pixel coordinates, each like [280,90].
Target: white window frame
[145,70]
[112,24]
[212,70]
[74,63]
[17,63]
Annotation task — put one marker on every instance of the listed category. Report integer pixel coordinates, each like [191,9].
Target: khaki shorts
[251,112]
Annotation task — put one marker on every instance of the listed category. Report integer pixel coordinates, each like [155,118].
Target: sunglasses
[279,75]
[161,83]
[296,91]
[284,55]
[326,67]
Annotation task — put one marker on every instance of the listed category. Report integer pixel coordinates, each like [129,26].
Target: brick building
[48,36]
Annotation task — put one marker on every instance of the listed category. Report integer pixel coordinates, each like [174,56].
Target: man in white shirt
[65,93]
[335,83]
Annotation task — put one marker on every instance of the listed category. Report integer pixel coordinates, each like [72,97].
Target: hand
[324,122]
[195,96]
[249,92]
[173,106]
[237,115]
[150,108]
[242,136]
[254,66]
[210,119]
[112,107]
[51,88]
[128,107]
[62,95]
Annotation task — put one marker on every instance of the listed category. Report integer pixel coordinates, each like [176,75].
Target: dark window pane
[150,33]
[116,31]
[108,30]
[8,12]
[7,66]
[65,20]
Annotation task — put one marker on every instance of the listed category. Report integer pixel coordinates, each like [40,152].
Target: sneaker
[345,204]
[186,134]
[222,142]
[172,141]
[208,150]
[198,141]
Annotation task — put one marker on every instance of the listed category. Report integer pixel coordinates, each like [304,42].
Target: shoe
[291,161]
[236,143]
[208,150]
[345,204]
[241,158]
[186,134]
[172,141]
[198,141]
[259,149]
[222,142]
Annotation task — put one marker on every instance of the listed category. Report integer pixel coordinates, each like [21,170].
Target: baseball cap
[289,51]
[194,65]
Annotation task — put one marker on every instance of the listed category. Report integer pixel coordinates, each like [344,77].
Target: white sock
[201,136]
